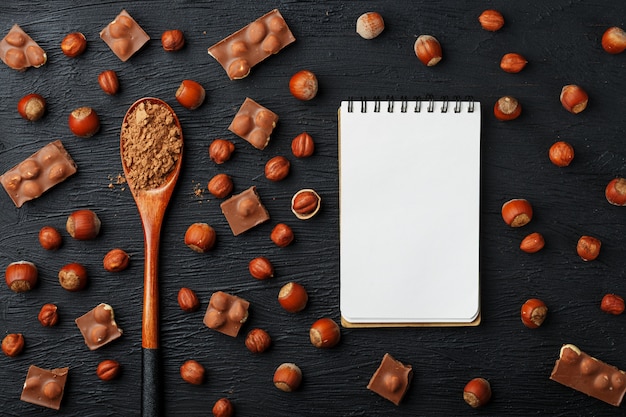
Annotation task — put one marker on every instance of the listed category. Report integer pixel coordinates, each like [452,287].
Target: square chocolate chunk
[98,326]
[244,211]
[44,387]
[254,123]
[226,313]
[391,380]
[124,36]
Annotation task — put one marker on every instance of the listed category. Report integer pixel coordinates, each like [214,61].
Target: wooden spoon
[151,203]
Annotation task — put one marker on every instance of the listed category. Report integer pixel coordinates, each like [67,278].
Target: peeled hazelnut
[532,243]
[13,344]
[615,192]
[517,212]
[477,392]
[190,94]
[325,333]
[74,44]
[200,237]
[287,377]
[221,185]
[109,82]
[293,297]
[303,85]
[192,372]
[491,20]
[512,63]
[221,150]
[573,98]
[507,108]
[84,122]
[173,40]
[48,315]
[116,260]
[302,146]
[614,40]
[50,238]
[108,369]
[261,268]
[428,50]
[188,300]
[282,235]
[612,304]
[369,25]
[533,313]
[305,203]
[258,341]
[588,248]
[83,224]
[277,168]
[73,277]
[223,408]
[561,153]
[21,276]
[32,107]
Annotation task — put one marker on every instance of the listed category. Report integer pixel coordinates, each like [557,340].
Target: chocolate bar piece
[98,326]
[19,51]
[44,387]
[124,36]
[391,380]
[242,50]
[38,173]
[579,371]
[244,211]
[226,313]
[254,123]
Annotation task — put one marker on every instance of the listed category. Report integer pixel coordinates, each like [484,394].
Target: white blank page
[409,214]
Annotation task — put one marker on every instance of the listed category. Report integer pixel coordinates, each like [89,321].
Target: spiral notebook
[409,212]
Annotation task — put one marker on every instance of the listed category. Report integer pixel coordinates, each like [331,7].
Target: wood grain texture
[561,40]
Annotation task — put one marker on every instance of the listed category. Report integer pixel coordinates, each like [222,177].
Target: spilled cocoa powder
[151,145]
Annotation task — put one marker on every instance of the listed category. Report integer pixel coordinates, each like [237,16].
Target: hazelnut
[48,315]
[32,107]
[325,333]
[615,191]
[258,341]
[282,235]
[200,237]
[614,40]
[507,108]
[83,224]
[190,94]
[369,25]
[221,185]
[561,153]
[109,82]
[192,372]
[302,146]
[84,122]
[533,313]
[573,98]
[223,408]
[491,20]
[287,377]
[428,50]
[188,300]
[261,268]
[116,260]
[517,212]
[293,297]
[73,277]
[588,248]
[50,238]
[477,392]
[173,40]
[612,304]
[74,44]
[513,63]
[532,243]
[108,369]
[13,344]
[277,168]
[21,276]
[221,150]
[303,85]
[305,203]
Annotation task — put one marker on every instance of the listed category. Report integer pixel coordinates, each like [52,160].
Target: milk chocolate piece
[44,387]
[242,50]
[226,313]
[98,326]
[124,36]
[579,371]
[19,51]
[254,123]
[244,211]
[38,173]
[391,380]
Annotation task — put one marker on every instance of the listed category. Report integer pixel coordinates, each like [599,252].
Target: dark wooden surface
[561,40]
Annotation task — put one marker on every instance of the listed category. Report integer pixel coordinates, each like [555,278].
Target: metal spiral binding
[429,101]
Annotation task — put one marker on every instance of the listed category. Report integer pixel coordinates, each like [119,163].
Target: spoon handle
[151,394]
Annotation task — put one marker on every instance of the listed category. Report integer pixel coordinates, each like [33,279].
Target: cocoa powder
[151,145]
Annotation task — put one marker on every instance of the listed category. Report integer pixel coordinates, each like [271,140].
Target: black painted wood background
[561,40]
